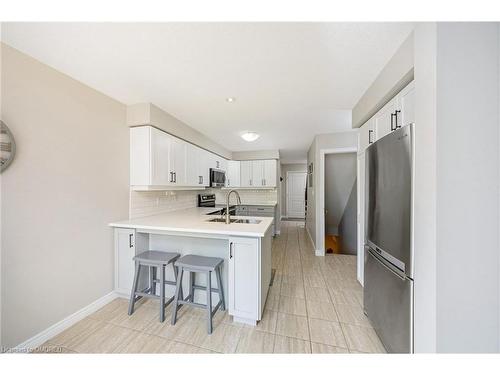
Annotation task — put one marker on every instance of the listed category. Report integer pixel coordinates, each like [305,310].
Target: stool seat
[156,257]
[197,262]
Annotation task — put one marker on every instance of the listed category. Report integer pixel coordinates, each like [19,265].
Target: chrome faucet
[228,216]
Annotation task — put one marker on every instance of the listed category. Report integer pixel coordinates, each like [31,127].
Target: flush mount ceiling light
[230,99]
[250,136]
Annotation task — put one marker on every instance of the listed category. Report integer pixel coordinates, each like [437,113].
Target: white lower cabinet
[243,278]
[124,265]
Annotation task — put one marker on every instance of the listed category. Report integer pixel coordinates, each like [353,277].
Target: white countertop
[194,220]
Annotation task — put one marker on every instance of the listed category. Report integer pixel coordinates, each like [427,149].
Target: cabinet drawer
[262,210]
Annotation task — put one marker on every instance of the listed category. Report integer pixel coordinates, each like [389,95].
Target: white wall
[302,167]
[467,187]
[340,175]
[456,187]
[68,181]
[340,140]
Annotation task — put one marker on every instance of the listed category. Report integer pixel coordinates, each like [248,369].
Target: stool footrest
[200,305]
[166,282]
[201,287]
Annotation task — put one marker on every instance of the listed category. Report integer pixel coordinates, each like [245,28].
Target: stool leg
[209,302]
[191,285]
[221,288]
[134,288]
[162,293]
[176,298]
[155,269]
[151,280]
[176,275]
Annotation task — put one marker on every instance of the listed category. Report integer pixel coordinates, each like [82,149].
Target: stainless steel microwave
[217,177]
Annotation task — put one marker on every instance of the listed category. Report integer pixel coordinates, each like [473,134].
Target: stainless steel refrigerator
[388,271]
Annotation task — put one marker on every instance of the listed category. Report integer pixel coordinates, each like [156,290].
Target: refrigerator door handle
[383,262]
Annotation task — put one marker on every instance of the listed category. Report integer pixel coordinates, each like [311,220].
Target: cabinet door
[385,119]
[204,167]
[178,161]
[366,135]
[270,172]
[361,217]
[124,265]
[406,99]
[246,173]
[160,150]
[233,173]
[223,164]
[193,177]
[244,277]
[257,173]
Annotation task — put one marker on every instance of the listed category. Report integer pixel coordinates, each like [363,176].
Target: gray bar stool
[153,260]
[194,264]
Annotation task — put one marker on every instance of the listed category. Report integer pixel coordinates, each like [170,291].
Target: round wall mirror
[7,147]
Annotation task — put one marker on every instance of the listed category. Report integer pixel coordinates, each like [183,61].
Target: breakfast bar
[244,244]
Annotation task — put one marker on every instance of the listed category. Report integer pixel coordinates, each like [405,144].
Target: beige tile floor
[314,306]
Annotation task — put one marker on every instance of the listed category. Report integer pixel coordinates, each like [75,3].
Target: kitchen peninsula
[245,248]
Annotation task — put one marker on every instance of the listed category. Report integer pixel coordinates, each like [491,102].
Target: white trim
[320,201]
[60,326]
[286,195]
[310,237]
[319,253]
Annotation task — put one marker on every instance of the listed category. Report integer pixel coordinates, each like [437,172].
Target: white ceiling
[290,80]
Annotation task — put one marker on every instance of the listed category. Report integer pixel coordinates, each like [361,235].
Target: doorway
[340,203]
[296,194]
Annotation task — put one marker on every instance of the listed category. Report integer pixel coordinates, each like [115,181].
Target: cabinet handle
[175,177]
[396,115]
[231,250]
[171,177]
[130,240]
[392,122]
[370,136]
[228,182]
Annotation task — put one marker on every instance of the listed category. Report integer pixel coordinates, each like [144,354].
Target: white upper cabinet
[159,160]
[246,173]
[233,173]
[270,173]
[257,173]
[406,103]
[366,135]
[385,119]
[177,161]
[398,112]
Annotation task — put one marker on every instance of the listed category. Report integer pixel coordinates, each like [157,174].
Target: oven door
[217,178]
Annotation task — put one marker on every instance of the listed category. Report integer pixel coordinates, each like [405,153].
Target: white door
[270,172]
[160,149]
[295,194]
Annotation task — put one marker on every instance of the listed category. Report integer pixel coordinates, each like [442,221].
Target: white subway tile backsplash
[147,203]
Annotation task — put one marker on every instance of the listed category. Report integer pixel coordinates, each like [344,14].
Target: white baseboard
[278,232]
[319,253]
[60,326]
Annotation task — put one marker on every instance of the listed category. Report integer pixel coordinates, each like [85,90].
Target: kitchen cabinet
[246,172]
[406,103]
[247,295]
[258,173]
[177,161]
[160,161]
[233,173]
[385,119]
[124,265]
[196,166]
[366,135]
[270,172]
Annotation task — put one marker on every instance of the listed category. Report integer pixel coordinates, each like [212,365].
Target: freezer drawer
[388,303]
